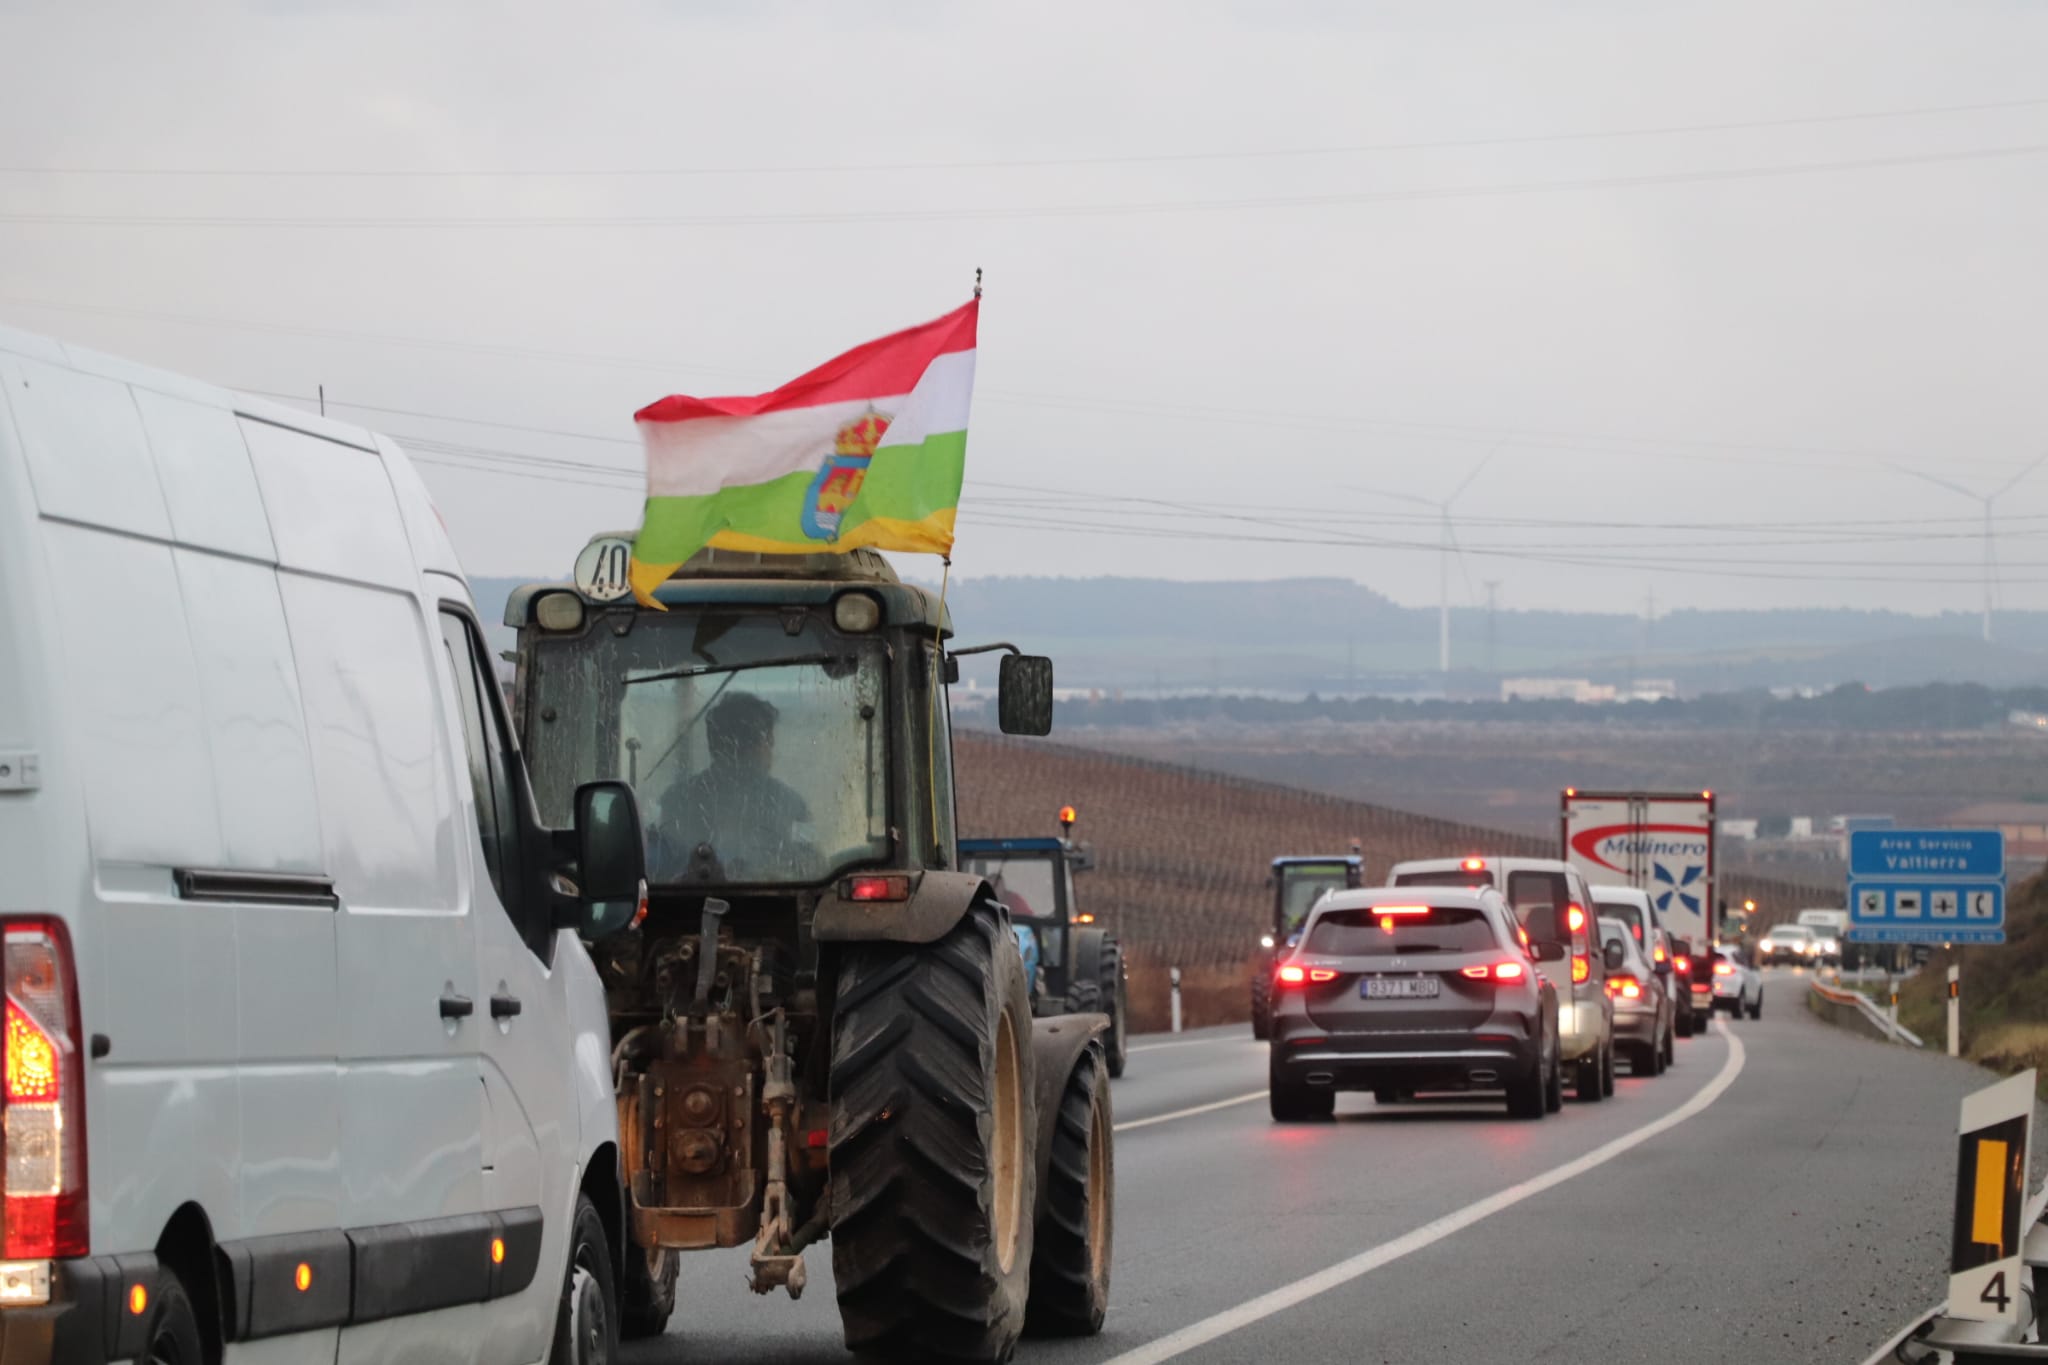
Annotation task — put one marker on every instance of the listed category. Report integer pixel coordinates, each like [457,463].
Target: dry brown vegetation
[1181,854]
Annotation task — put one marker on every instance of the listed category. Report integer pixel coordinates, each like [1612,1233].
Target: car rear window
[1539,899]
[1449,876]
[1628,914]
[1362,933]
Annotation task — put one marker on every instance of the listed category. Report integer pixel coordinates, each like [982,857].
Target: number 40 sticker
[601,568]
[1991,1186]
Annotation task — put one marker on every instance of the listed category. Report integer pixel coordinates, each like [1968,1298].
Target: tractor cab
[1075,966]
[1297,883]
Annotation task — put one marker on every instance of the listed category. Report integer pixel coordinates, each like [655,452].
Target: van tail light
[1657,953]
[1497,971]
[1724,969]
[42,1097]
[1627,987]
[1682,965]
[1575,917]
[1582,968]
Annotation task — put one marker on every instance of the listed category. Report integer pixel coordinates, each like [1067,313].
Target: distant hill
[1331,635]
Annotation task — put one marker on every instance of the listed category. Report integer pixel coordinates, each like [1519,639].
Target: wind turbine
[1447,546]
[1990,534]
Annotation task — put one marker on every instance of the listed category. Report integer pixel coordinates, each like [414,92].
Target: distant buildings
[1585,690]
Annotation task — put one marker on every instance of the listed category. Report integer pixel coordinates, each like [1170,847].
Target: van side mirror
[1613,956]
[1546,950]
[611,859]
[1024,695]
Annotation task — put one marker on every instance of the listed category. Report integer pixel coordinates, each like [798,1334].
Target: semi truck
[820,1021]
[1661,843]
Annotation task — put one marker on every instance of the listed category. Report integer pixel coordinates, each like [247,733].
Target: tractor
[821,1025]
[1075,966]
[1297,883]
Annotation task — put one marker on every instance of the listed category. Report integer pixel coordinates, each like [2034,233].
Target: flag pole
[932,724]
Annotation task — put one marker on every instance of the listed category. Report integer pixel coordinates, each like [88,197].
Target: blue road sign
[1926,854]
[1926,886]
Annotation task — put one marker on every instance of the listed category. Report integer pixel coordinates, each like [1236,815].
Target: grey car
[1643,1015]
[1397,990]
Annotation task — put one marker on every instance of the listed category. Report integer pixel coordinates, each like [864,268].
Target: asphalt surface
[1797,1213]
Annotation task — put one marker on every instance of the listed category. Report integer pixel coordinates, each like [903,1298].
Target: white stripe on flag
[705,454]
[938,404]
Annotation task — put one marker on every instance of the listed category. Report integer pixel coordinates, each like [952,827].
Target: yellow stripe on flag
[1987,1209]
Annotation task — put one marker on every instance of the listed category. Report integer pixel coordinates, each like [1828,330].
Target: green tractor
[1074,966]
[821,1024]
[1297,883]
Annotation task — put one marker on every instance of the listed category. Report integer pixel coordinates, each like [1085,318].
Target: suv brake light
[42,1097]
[1627,987]
[1575,917]
[1498,971]
[1293,975]
[1682,965]
[1582,968]
[1724,969]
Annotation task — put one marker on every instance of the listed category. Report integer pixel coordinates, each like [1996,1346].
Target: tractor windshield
[1301,887]
[757,755]
[1024,882]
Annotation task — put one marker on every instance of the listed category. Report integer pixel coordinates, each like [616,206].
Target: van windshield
[756,754]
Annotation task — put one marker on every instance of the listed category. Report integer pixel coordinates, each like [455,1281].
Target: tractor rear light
[893,887]
[1582,968]
[1496,971]
[1290,975]
[42,1091]
[1085,917]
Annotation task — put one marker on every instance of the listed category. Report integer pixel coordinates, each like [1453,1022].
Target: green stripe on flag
[902,483]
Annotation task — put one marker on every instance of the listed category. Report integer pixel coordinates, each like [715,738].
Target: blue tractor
[1074,967]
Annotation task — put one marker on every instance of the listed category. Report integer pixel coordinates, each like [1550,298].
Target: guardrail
[1936,1337]
[1886,1027]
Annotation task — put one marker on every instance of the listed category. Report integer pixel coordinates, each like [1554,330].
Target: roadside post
[1955,1011]
[1923,887]
[1986,1282]
[1173,975]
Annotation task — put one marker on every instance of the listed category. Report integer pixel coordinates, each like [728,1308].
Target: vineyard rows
[1181,854]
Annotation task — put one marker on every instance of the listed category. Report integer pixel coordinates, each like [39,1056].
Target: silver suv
[1554,907]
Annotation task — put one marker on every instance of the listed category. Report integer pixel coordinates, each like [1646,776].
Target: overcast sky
[1222,274]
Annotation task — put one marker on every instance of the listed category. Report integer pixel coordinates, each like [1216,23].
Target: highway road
[1781,1195]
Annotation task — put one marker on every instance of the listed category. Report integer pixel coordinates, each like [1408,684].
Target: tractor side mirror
[1024,695]
[611,859]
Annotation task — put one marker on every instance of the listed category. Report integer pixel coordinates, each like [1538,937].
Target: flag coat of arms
[867,449]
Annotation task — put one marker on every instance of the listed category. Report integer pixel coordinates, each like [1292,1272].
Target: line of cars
[1483,974]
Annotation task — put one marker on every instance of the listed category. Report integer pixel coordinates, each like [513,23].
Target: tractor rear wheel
[1070,1260]
[933,1118]
[647,1291]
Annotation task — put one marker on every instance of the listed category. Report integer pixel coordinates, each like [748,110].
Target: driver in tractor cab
[1027,937]
[734,803]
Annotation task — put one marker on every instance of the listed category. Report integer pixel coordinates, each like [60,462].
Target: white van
[303,1060]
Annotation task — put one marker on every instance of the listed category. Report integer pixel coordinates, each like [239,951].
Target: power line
[965,214]
[1014,163]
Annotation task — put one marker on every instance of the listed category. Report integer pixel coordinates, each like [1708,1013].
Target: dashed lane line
[1190,1113]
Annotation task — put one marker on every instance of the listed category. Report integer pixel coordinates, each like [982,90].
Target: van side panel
[209,484]
[331,508]
[87,456]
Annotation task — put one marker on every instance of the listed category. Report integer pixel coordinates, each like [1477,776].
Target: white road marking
[1365,1262]
[1189,1113]
[1198,1042]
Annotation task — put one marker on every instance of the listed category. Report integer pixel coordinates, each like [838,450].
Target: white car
[302,1048]
[1794,943]
[1738,985]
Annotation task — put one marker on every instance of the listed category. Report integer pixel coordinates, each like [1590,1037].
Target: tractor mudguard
[1057,1047]
[937,902]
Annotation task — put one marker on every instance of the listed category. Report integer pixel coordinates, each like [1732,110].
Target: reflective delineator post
[1173,975]
[1955,1011]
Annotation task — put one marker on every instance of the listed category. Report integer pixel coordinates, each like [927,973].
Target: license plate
[1401,987]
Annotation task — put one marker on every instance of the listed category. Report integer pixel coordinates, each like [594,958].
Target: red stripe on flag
[877,369]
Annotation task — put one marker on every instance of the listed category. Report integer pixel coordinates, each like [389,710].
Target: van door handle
[504,1006]
[456,1006]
